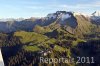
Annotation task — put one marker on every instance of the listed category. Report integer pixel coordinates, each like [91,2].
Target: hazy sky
[40,8]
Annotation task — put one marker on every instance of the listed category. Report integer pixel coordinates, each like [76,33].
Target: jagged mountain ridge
[71,21]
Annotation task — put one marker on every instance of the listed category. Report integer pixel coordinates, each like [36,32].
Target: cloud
[92,4]
[35,7]
[70,6]
[97,2]
[89,5]
[56,4]
[80,6]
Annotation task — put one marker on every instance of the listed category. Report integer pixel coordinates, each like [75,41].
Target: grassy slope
[30,36]
[83,26]
[33,40]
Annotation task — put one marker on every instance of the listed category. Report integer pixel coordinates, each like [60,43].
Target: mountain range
[72,22]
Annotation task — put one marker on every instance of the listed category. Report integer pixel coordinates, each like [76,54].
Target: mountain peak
[60,14]
[96,13]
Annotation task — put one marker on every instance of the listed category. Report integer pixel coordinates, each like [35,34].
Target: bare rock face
[95,18]
[63,18]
